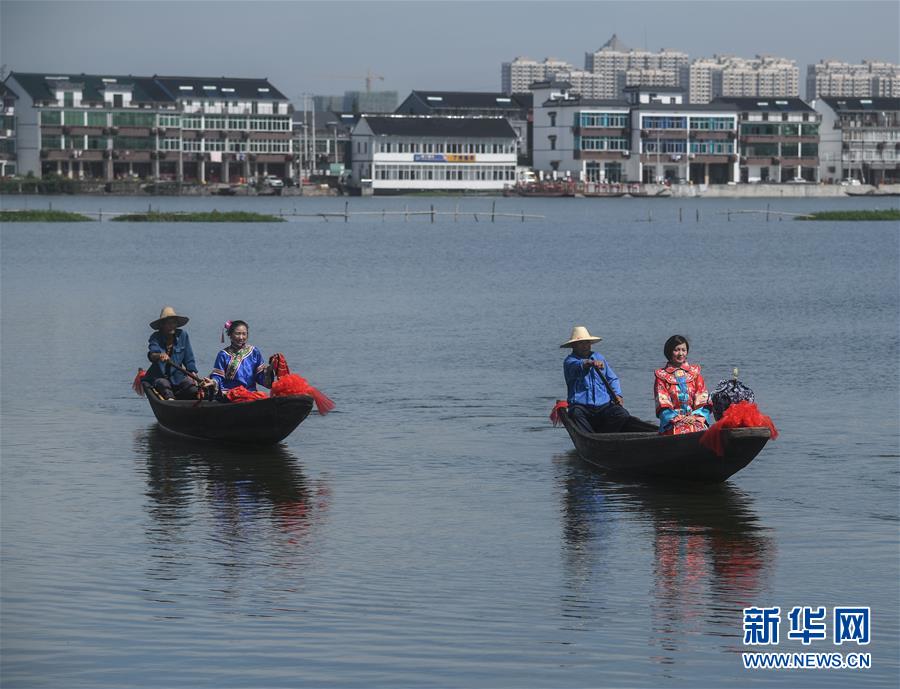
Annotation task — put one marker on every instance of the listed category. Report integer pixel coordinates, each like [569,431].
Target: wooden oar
[613,397]
[190,374]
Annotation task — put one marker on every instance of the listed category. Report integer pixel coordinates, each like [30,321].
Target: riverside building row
[164,128]
[228,130]
[653,136]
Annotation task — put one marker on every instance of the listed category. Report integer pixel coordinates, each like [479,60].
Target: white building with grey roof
[194,129]
[402,153]
[515,107]
[860,139]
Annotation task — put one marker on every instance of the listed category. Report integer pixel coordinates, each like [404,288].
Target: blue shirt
[247,368]
[585,385]
[181,354]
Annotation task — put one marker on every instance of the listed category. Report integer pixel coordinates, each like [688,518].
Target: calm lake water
[435,530]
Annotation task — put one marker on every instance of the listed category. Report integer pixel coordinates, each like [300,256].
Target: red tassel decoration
[279,365]
[136,384]
[323,402]
[292,384]
[242,394]
[554,415]
[739,415]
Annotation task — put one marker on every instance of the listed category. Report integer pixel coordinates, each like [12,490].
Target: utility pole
[314,135]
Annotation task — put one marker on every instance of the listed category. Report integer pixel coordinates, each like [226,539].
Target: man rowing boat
[595,395]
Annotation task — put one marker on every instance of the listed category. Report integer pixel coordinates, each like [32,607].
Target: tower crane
[369,77]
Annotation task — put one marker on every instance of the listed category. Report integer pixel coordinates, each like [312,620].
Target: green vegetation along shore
[42,216]
[888,214]
[211,216]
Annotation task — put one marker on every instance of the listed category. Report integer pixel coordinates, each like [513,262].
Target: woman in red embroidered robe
[682,401]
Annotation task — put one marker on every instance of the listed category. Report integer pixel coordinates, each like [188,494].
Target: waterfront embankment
[36,186]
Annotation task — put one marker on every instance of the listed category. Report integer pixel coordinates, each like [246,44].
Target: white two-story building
[395,154]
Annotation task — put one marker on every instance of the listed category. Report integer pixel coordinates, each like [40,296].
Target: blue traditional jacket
[246,367]
[181,354]
[585,385]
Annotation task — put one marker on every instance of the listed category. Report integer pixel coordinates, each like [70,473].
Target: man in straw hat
[595,396]
[167,346]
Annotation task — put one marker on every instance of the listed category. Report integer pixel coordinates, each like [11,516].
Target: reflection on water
[249,501]
[710,555]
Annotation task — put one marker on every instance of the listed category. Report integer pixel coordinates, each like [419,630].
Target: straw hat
[580,334]
[168,312]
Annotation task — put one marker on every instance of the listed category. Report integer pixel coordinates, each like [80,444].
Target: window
[552,116]
[759,150]
[809,150]
[73,118]
[133,143]
[661,122]
[133,119]
[608,120]
[552,140]
[51,117]
[68,99]
[117,100]
[96,119]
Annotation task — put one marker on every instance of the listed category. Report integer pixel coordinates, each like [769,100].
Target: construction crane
[369,77]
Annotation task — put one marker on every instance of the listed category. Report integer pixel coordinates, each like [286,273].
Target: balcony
[134,131]
[601,155]
[603,131]
[713,134]
[664,133]
[83,131]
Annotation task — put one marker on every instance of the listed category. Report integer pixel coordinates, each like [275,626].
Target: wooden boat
[546,189]
[259,422]
[681,457]
[604,194]
[661,194]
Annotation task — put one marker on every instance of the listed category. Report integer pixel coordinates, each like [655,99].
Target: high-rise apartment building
[737,77]
[620,66]
[518,76]
[590,85]
[842,79]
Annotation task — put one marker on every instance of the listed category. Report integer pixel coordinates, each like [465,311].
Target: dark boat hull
[680,457]
[261,422]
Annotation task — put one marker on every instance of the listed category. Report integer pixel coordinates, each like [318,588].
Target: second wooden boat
[649,455]
[260,422]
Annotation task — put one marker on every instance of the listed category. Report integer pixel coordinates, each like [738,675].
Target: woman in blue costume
[239,364]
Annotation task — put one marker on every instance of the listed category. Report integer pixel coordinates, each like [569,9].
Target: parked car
[851,183]
[273,182]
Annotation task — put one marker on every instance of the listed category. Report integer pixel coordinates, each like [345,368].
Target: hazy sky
[328,47]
